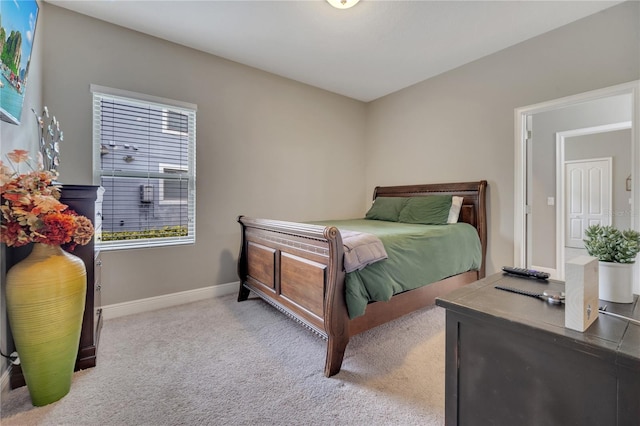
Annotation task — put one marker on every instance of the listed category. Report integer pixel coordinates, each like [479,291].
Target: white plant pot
[616,282]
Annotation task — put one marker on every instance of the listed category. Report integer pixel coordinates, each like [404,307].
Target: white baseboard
[152,303]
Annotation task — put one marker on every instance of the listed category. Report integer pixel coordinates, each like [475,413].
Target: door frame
[521,157]
[560,183]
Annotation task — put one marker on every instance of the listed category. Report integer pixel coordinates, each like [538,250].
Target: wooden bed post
[336,319]
[243,292]
[481,225]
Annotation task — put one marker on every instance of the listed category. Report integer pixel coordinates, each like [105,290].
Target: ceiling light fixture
[342,4]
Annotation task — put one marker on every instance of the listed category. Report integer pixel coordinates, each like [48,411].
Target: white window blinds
[144,157]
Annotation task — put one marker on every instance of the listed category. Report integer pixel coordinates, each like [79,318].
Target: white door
[587,198]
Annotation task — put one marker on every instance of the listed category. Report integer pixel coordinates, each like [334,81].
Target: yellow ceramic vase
[45,302]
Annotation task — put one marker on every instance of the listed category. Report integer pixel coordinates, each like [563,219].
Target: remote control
[529,273]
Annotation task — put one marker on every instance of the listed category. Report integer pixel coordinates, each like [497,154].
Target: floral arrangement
[31,210]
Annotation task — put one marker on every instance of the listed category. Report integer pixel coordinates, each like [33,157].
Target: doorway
[582,145]
[539,229]
[587,198]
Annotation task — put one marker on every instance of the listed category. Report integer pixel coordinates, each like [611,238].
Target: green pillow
[427,210]
[386,208]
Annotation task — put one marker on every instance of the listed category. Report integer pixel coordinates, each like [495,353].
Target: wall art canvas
[17,30]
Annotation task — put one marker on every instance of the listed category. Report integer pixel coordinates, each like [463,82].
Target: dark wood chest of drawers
[511,361]
[87,201]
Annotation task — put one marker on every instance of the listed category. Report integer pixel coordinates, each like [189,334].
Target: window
[144,157]
[171,190]
[174,122]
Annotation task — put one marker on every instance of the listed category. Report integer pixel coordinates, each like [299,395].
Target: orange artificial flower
[31,211]
[18,156]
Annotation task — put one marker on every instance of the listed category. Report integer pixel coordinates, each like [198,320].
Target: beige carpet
[220,362]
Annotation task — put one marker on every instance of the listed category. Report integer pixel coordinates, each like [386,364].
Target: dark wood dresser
[87,201]
[511,361]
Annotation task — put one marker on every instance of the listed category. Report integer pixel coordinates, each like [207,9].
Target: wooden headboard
[473,211]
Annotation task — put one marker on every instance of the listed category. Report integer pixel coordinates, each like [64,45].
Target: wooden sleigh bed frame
[298,269]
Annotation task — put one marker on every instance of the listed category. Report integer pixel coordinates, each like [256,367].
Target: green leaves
[609,244]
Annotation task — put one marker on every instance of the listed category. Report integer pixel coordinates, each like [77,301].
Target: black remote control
[529,273]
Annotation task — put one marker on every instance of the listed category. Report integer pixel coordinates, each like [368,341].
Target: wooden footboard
[294,266]
[298,268]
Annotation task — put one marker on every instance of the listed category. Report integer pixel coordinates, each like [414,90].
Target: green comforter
[418,255]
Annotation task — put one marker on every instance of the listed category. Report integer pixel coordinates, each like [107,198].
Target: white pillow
[454,211]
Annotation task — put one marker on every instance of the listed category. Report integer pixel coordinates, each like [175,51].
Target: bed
[299,269]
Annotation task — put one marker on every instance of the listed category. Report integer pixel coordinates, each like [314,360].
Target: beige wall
[460,125]
[266,146]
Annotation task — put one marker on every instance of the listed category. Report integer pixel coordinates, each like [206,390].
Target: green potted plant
[616,252]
